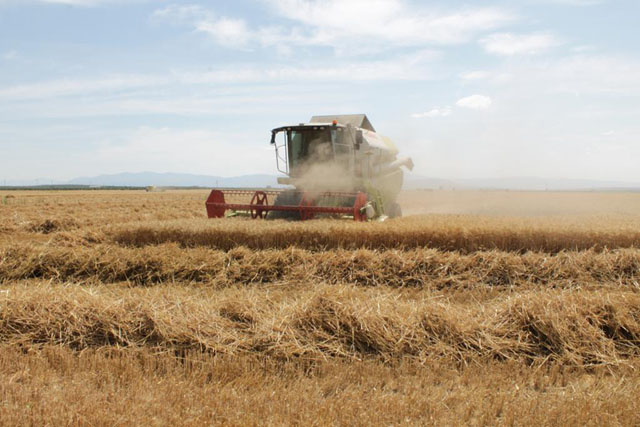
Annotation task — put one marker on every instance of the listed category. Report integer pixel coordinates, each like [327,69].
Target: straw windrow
[577,328]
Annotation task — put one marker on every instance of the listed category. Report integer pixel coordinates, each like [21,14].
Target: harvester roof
[357,120]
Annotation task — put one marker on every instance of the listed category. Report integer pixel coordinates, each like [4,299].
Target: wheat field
[481,308]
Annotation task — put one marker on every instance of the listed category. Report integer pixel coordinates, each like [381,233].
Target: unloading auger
[335,166]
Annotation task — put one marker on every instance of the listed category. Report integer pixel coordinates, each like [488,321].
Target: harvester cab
[334,166]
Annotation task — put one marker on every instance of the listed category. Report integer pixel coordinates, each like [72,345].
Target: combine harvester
[337,166]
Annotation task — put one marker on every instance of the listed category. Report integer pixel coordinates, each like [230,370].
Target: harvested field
[484,307]
[110,386]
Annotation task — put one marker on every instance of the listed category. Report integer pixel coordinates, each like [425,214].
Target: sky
[482,89]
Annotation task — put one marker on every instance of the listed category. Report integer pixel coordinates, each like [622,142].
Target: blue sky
[547,88]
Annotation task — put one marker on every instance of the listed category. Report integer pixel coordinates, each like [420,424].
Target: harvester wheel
[394,211]
[259,199]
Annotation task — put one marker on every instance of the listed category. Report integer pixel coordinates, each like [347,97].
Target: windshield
[309,146]
[313,146]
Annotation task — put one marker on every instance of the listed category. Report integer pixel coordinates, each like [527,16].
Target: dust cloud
[520,203]
[321,171]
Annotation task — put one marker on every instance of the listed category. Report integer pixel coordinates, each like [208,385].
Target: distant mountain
[143,179]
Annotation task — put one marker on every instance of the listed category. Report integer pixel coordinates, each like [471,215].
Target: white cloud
[12,54]
[475,102]
[408,67]
[584,48]
[181,14]
[394,21]
[474,75]
[435,112]
[70,87]
[346,25]
[226,31]
[518,44]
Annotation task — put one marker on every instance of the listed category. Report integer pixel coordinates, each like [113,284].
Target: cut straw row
[421,268]
[577,328]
